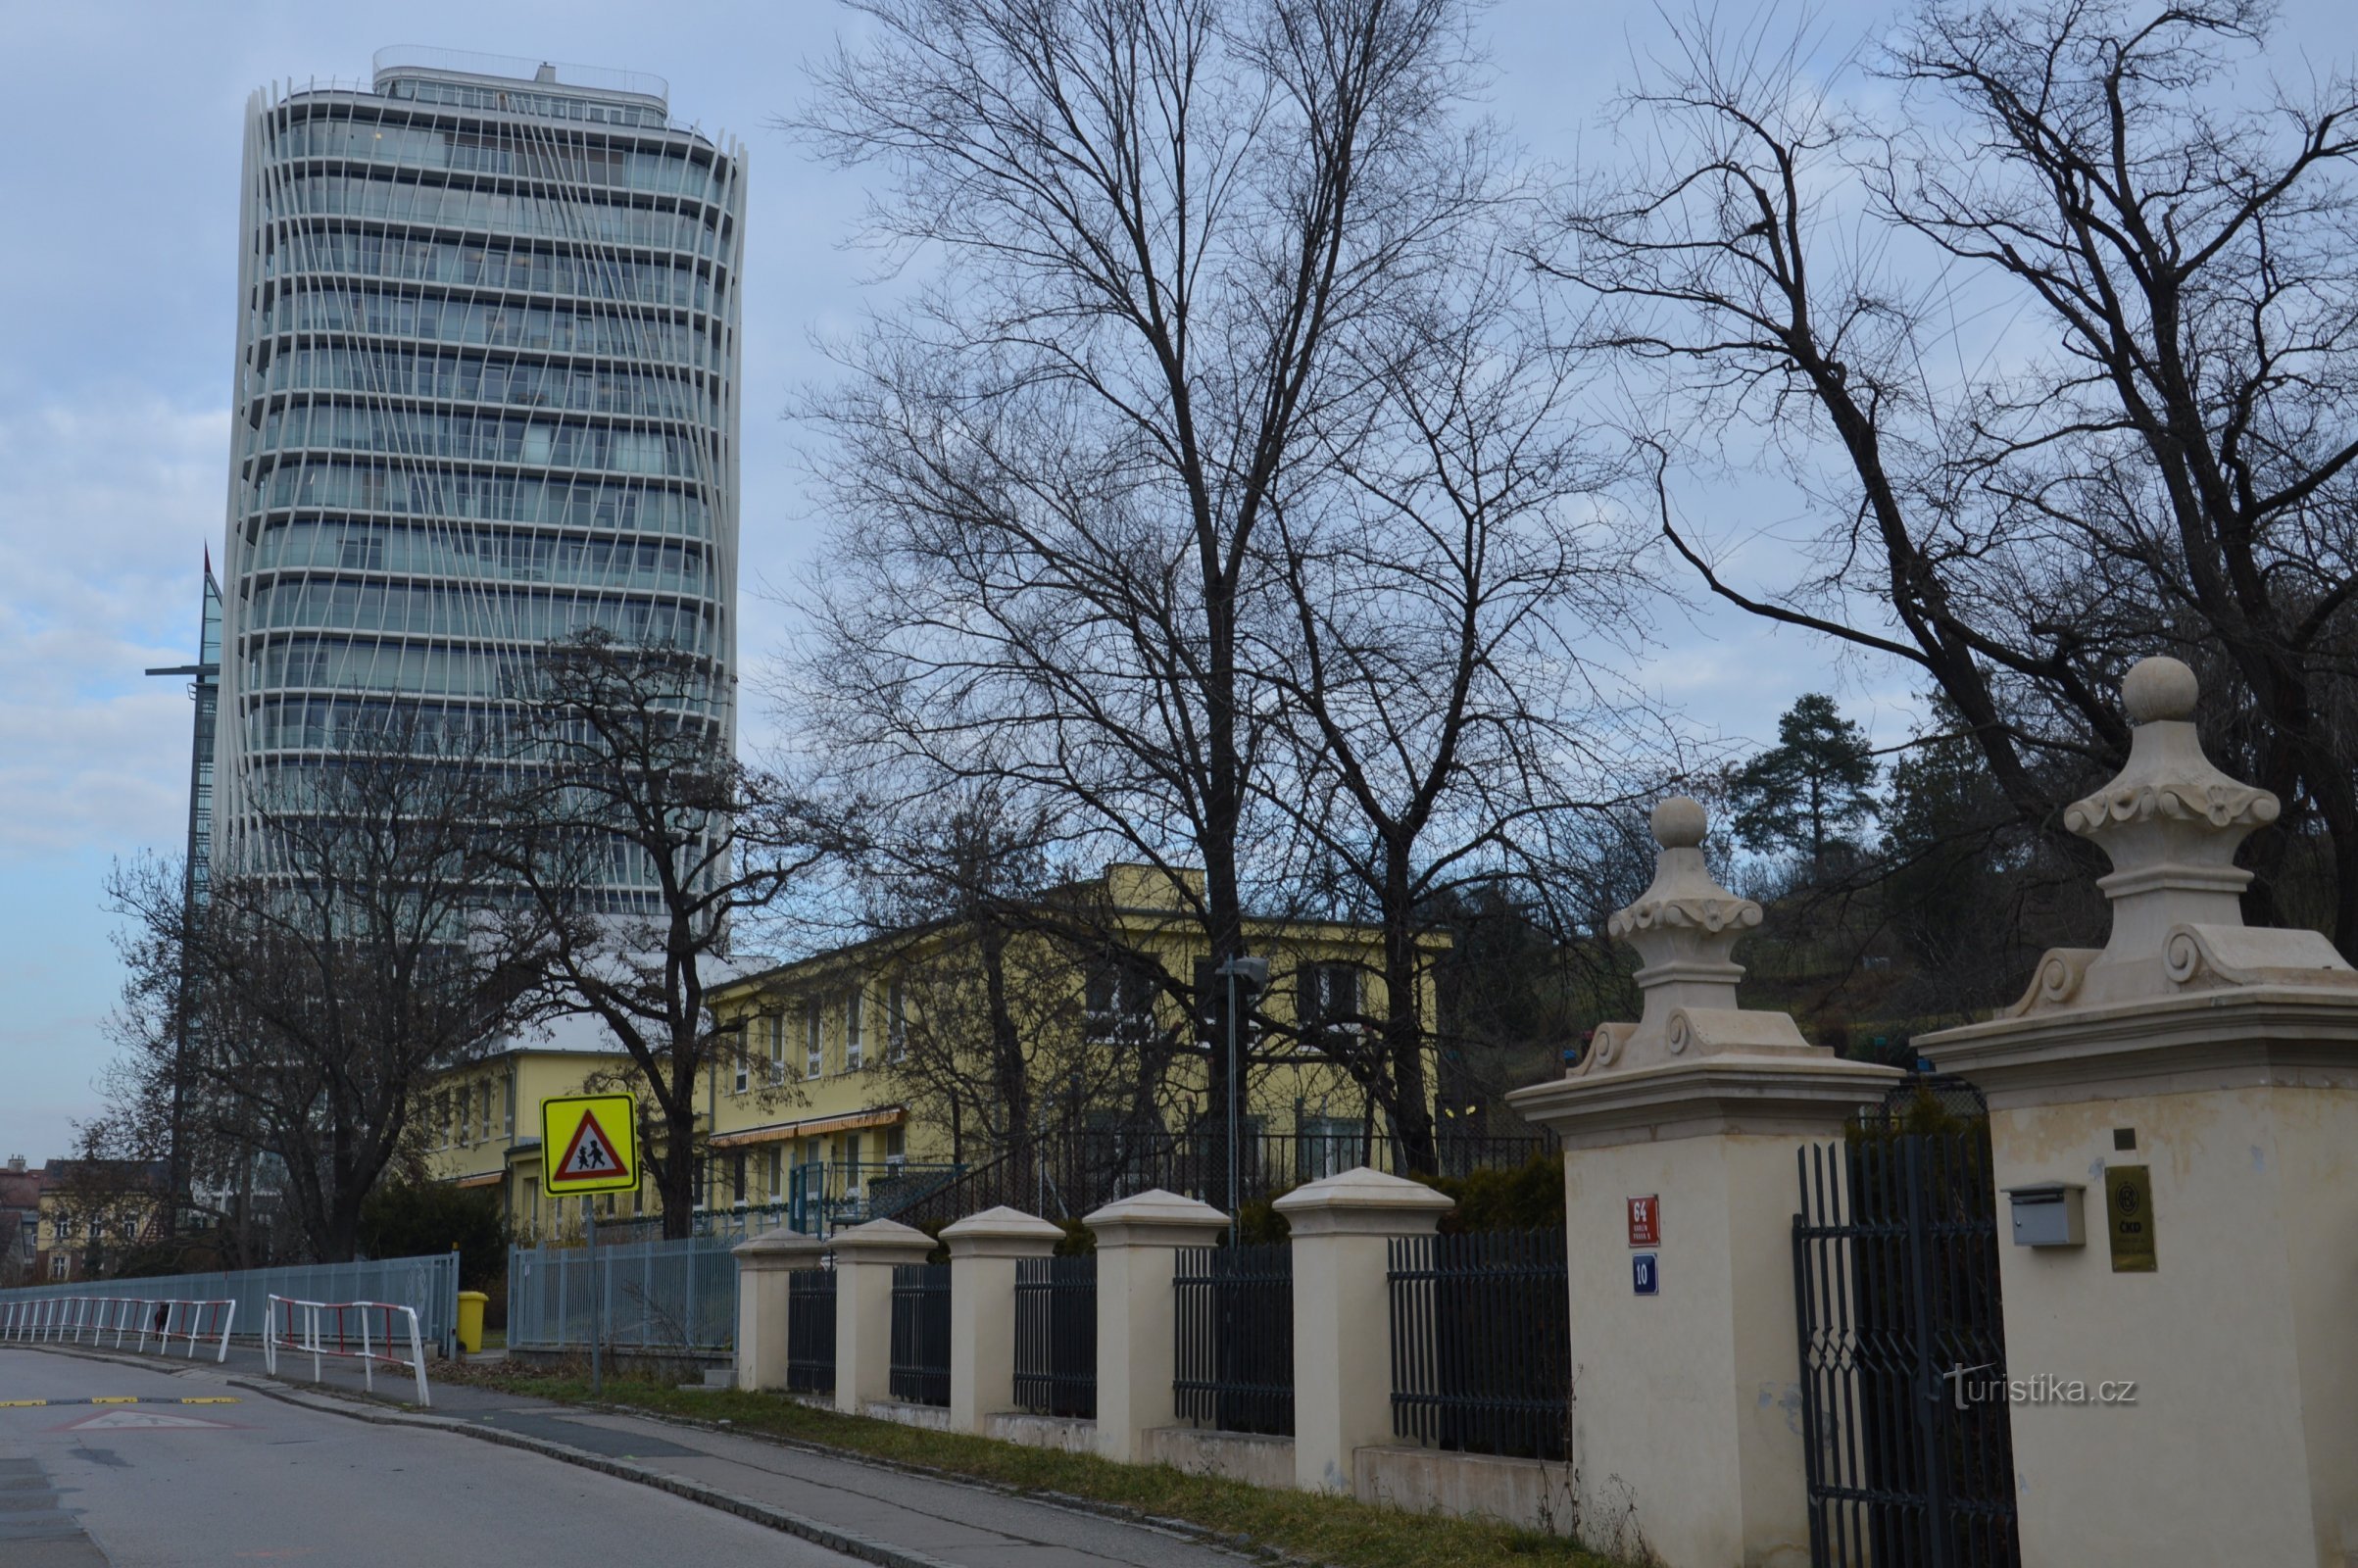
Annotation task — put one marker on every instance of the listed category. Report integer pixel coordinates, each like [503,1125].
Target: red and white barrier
[91,1319]
[368,1331]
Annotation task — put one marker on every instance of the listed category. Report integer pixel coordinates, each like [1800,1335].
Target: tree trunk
[1405,1025]
[676,1167]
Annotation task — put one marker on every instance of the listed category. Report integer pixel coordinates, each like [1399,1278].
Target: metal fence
[921,1350]
[657,1295]
[1065,1174]
[1481,1342]
[810,1330]
[821,1198]
[1895,1285]
[1056,1335]
[428,1285]
[1234,1352]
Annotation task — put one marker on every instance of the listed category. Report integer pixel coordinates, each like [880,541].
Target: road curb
[833,1538]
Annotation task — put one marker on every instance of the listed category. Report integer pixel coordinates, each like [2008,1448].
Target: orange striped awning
[812,1127]
[489,1178]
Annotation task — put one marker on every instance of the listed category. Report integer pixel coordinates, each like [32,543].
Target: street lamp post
[1254,973]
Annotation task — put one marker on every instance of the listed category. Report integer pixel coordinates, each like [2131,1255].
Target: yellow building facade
[861,1075]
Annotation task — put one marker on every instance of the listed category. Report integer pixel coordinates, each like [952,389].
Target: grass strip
[1339,1531]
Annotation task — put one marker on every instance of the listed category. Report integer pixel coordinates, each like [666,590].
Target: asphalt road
[160,1485]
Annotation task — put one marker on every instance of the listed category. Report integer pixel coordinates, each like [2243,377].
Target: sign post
[589,1145]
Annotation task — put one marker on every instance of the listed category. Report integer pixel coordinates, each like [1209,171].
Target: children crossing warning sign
[589,1143]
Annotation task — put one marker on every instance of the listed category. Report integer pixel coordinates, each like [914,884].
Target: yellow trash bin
[471,1320]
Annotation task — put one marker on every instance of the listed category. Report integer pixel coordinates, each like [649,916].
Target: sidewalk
[891,1517]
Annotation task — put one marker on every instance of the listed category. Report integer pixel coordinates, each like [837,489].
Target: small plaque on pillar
[1646,1221]
[1644,1275]
[2129,1218]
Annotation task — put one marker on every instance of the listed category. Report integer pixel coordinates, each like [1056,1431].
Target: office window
[814,1043]
[850,1030]
[1328,1000]
[1117,1002]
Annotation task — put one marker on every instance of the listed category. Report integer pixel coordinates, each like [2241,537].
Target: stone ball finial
[1680,822]
[2158,689]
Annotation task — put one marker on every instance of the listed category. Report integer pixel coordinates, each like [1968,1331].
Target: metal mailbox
[2048,1214]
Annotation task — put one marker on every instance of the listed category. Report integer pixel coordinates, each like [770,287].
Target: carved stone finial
[1685,927]
[2159,689]
[1680,822]
[2171,822]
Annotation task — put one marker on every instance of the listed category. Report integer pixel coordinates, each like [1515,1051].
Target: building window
[483,1101]
[511,1127]
[774,1186]
[737,1176]
[58,1265]
[1117,1002]
[850,1030]
[1328,1002]
[744,1079]
[814,1043]
[777,1047]
[895,1023]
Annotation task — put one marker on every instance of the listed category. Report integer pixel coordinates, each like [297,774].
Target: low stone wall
[1238,1456]
[1068,1433]
[1530,1493]
[935,1417]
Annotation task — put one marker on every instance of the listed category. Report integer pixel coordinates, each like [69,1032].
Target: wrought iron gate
[1903,1411]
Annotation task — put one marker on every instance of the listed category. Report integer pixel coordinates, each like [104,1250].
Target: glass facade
[486,395]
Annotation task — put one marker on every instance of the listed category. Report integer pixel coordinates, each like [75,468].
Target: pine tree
[1806,792]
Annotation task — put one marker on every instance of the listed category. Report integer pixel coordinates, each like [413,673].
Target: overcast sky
[119,137]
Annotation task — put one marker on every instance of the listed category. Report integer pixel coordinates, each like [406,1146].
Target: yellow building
[874,1072]
[480,1126]
[92,1214]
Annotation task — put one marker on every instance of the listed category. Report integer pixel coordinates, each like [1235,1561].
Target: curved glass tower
[486,396]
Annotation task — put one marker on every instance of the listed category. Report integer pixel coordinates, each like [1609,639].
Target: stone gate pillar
[763,1264]
[1138,1239]
[984,1250]
[866,1257]
[2190,1094]
[1681,1135]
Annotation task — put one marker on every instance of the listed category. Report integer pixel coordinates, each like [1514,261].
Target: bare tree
[2059,352]
[1054,466]
[348,947]
[643,842]
[1434,659]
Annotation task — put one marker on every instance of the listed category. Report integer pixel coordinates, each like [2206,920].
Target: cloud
[111,499]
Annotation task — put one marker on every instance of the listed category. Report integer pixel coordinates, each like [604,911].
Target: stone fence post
[763,1265]
[2195,1084]
[983,1250]
[1681,1136]
[1138,1241]
[866,1257]
[1343,1227]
